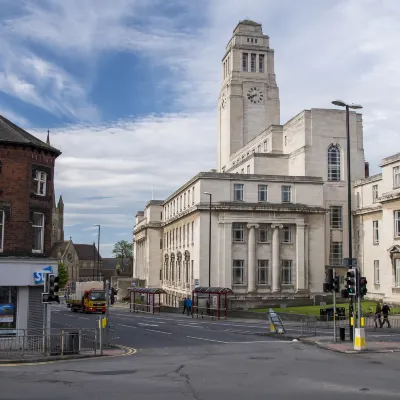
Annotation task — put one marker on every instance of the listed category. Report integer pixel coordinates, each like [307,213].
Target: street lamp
[98,253]
[209,244]
[94,257]
[341,103]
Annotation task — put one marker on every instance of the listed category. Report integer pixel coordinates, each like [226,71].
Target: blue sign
[38,277]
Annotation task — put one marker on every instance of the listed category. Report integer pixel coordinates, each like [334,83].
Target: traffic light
[51,287]
[351,282]
[335,284]
[327,287]
[363,286]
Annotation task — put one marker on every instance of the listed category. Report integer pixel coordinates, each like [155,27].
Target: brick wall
[18,198]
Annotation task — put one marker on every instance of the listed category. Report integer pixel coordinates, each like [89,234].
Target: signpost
[275,321]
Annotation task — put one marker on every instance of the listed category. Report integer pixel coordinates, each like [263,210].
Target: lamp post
[94,257]
[98,252]
[341,103]
[209,244]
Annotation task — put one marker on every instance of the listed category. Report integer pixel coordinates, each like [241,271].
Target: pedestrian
[385,312]
[184,305]
[208,305]
[378,315]
[189,305]
[112,296]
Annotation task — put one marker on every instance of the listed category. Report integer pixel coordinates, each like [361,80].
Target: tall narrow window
[262,272]
[41,178]
[263,233]
[286,194]
[287,234]
[238,272]
[2,218]
[262,193]
[192,232]
[184,234]
[397,272]
[336,254]
[261,63]
[396,177]
[189,198]
[253,62]
[245,58]
[238,192]
[333,163]
[193,195]
[180,236]
[375,228]
[238,232]
[188,227]
[375,193]
[184,201]
[38,232]
[286,272]
[397,223]
[336,217]
[376,272]
[358,200]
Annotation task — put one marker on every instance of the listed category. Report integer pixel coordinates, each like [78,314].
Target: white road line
[158,322]
[207,340]
[127,326]
[83,318]
[190,326]
[141,323]
[264,341]
[153,330]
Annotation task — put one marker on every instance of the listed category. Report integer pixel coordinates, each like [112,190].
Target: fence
[34,345]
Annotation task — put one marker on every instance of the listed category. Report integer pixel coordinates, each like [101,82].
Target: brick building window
[1,230]
[38,232]
[41,178]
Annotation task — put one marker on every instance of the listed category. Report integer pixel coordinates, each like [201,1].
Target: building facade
[278,196]
[377,230]
[26,216]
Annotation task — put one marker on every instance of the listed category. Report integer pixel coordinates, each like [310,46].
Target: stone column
[300,270]
[251,259]
[275,257]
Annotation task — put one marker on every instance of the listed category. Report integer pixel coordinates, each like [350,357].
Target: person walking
[385,312]
[184,305]
[189,305]
[378,315]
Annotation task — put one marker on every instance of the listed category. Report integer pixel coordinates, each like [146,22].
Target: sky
[129,88]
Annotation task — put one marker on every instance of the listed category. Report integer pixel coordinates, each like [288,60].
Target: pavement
[178,358]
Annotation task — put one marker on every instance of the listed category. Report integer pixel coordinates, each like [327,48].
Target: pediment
[394,249]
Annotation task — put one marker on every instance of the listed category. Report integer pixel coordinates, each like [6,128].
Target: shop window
[8,310]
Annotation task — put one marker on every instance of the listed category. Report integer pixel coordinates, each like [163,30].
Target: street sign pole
[107,330]
[334,309]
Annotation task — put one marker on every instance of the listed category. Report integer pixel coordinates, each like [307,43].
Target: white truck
[87,297]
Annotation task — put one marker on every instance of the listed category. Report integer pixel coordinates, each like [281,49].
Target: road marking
[191,326]
[83,318]
[208,340]
[127,326]
[264,341]
[153,330]
[141,323]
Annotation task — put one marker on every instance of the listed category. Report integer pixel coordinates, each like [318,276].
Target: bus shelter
[211,301]
[146,300]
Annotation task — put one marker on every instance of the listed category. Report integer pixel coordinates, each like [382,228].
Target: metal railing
[37,344]
[209,312]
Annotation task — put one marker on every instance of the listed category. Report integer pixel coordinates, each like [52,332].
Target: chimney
[366,169]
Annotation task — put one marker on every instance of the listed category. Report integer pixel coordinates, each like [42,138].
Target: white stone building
[377,227]
[279,195]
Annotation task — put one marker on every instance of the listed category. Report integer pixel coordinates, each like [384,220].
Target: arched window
[333,163]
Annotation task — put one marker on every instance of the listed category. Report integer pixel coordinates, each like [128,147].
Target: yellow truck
[86,297]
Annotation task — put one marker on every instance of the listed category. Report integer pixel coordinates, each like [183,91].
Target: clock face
[255,95]
[223,101]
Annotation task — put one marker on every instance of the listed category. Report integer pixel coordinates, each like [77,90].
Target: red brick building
[26,222]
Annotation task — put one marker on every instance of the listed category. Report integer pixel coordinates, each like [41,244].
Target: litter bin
[72,343]
[342,334]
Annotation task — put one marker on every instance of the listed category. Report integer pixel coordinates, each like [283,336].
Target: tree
[122,250]
[62,275]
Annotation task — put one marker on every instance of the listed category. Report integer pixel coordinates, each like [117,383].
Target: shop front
[21,286]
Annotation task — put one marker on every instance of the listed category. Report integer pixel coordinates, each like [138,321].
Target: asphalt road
[183,358]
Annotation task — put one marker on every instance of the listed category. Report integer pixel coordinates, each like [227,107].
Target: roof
[249,22]
[85,251]
[111,263]
[58,247]
[147,290]
[212,290]
[11,133]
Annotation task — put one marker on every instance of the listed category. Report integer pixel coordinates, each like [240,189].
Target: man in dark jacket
[184,305]
[385,312]
[378,315]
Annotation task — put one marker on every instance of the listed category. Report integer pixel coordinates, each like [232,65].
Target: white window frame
[375,232]
[41,233]
[245,62]
[261,63]
[263,269]
[238,227]
[263,233]
[397,272]
[334,164]
[375,193]
[397,223]
[263,192]
[336,258]
[286,190]
[238,191]
[2,221]
[396,177]
[336,217]
[376,272]
[287,234]
[41,178]
[287,267]
[238,265]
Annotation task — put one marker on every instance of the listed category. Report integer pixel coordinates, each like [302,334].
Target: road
[183,358]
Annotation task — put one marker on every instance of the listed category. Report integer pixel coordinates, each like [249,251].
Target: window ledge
[264,285]
[239,242]
[286,243]
[287,285]
[37,251]
[269,242]
[396,238]
[375,243]
[242,285]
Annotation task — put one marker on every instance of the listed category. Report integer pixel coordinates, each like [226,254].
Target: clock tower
[249,97]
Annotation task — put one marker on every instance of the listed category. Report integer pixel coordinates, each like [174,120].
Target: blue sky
[129,88]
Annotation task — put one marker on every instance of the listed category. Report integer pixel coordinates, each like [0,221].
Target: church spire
[48,137]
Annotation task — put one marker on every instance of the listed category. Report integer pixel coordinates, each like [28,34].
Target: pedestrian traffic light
[51,287]
[327,287]
[363,286]
[351,281]
[335,284]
